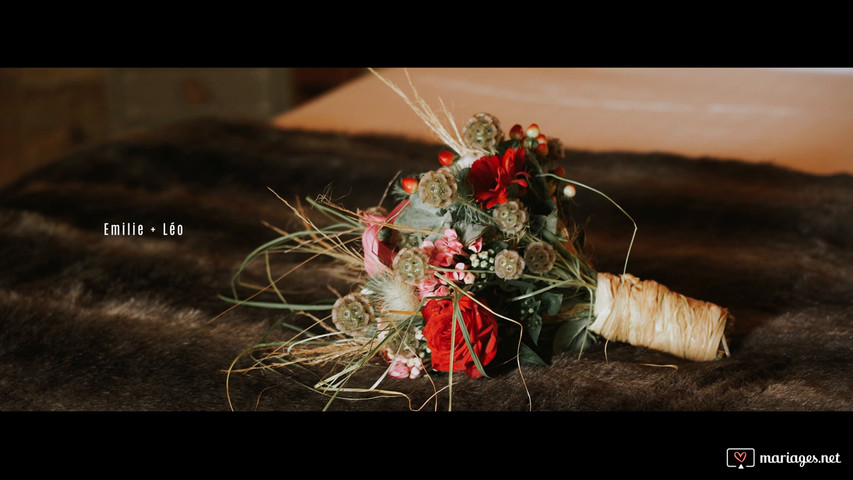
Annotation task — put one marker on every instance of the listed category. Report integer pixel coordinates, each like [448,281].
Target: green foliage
[527,356]
[423,217]
[573,336]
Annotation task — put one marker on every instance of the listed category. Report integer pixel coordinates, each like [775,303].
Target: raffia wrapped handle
[646,313]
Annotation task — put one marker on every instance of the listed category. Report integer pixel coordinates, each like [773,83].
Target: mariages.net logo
[742,458]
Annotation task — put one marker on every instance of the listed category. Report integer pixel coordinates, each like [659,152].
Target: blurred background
[48,112]
[797,118]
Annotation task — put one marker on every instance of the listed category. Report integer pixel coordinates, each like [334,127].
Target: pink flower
[432,287]
[378,255]
[450,242]
[405,367]
[442,251]
[461,275]
[477,245]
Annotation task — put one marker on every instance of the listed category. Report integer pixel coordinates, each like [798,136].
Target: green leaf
[573,336]
[552,302]
[527,356]
[521,285]
[496,246]
[533,326]
[541,225]
[420,216]
[470,231]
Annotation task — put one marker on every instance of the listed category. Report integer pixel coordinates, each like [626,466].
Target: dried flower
[482,132]
[539,257]
[438,188]
[508,264]
[411,264]
[352,314]
[395,299]
[510,216]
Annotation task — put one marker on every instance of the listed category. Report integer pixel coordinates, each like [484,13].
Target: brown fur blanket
[96,322]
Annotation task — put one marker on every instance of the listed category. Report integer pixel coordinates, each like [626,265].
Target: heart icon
[740,456]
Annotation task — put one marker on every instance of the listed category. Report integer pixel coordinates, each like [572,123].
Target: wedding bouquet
[477,259]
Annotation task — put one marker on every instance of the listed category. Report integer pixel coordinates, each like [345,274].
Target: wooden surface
[796,118]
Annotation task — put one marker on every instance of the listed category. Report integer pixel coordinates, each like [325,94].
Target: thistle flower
[539,257]
[352,313]
[510,216]
[508,264]
[411,264]
[438,188]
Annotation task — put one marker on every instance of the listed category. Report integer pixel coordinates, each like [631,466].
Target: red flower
[491,176]
[482,329]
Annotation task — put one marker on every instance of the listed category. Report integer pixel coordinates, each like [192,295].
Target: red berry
[560,172]
[516,132]
[446,158]
[533,130]
[542,150]
[410,184]
[542,138]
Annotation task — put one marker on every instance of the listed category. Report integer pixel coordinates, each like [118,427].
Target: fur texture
[96,322]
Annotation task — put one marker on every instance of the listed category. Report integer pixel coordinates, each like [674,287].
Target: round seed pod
[510,216]
[438,188]
[411,264]
[539,257]
[482,132]
[508,265]
[352,314]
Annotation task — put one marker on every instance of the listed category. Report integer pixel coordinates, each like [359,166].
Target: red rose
[482,328]
[491,177]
